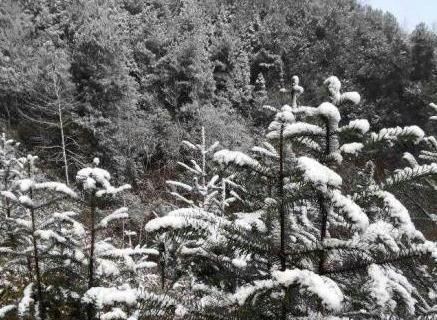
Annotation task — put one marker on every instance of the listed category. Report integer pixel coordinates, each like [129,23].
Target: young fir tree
[36,237]
[116,278]
[197,263]
[320,245]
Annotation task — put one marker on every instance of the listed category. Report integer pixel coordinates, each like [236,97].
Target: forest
[216,159]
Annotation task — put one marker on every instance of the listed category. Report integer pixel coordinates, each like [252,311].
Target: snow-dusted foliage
[305,225]
[311,241]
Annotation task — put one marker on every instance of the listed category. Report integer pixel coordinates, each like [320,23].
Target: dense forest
[216,159]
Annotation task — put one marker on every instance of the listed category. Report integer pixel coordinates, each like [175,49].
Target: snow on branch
[121,213]
[391,135]
[409,174]
[240,159]
[320,176]
[347,206]
[322,287]
[101,296]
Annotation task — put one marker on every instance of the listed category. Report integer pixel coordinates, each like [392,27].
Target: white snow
[399,213]
[323,287]
[179,184]
[352,148]
[6,309]
[102,296]
[385,283]
[57,187]
[350,208]
[317,174]
[297,129]
[330,112]
[360,125]
[114,314]
[353,97]
[236,157]
[9,195]
[49,234]
[249,221]
[393,134]
[26,201]
[121,213]
[246,291]
[107,268]
[166,222]
[98,179]
[26,300]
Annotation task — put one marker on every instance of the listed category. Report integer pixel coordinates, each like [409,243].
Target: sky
[409,12]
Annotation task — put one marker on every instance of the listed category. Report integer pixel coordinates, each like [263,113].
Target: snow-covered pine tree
[350,255]
[32,248]
[198,264]
[116,276]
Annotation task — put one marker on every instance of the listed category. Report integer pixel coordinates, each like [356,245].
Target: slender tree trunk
[281,200]
[282,213]
[36,257]
[90,309]
[323,208]
[61,126]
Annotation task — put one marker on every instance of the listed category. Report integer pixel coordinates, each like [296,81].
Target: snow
[386,283]
[249,221]
[352,148]
[26,201]
[98,179]
[361,125]
[115,313]
[166,222]
[24,185]
[6,309]
[146,265]
[239,262]
[179,184]
[49,234]
[351,209]
[353,97]
[57,187]
[410,159]
[297,129]
[102,296]
[330,112]
[245,292]
[26,300]
[236,157]
[116,215]
[265,152]
[285,115]
[107,268]
[381,231]
[180,311]
[323,287]
[401,215]
[78,228]
[408,174]
[9,195]
[333,84]
[320,176]
[393,134]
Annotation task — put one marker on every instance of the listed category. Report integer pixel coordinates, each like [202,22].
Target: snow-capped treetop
[97,180]
[333,86]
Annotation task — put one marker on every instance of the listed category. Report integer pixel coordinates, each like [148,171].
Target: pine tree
[115,273]
[194,257]
[33,246]
[323,252]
